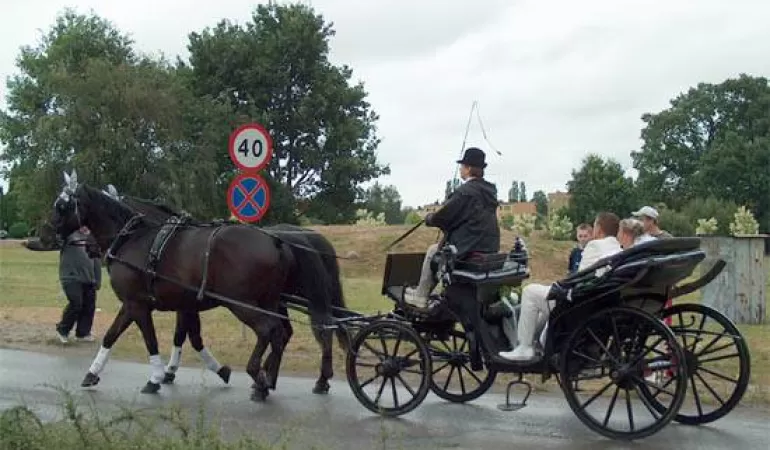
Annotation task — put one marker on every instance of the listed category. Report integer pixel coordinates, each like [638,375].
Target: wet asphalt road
[338,421]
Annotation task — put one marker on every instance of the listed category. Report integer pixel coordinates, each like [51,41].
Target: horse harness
[167,230]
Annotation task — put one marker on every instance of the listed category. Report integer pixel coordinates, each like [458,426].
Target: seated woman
[631,232]
[535,306]
[468,220]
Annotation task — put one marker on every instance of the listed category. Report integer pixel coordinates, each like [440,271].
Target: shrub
[744,222]
[721,210]
[560,227]
[706,227]
[366,218]
[523,224]
[19,230]
[676,223]
[412,218]
[507,221]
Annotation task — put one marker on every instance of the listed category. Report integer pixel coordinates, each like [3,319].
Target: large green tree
[713,140]
[600,185]
[275,70]
[384,199]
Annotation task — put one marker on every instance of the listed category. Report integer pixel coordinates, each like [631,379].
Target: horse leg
[192,320]
[278,344]
[147,327]
[180,334]
[119,324]
[324,339]
[254,367]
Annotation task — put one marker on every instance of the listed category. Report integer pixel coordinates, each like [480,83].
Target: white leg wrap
[156,365]
[99,361]
[210,361]
[173,361]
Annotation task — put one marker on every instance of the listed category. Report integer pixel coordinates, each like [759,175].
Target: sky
[554,80]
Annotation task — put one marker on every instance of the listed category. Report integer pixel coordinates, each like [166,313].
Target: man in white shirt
[535,308]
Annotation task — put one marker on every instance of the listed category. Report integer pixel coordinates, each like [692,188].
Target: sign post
[250,149]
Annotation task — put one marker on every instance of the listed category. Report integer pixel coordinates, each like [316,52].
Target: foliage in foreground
[168,429]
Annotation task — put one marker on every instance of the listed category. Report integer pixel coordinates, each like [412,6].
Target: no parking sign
[250,149]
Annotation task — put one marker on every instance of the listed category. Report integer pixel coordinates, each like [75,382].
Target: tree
[275,70]
[451,185]
[597,186]
[712,132]
[513,192]
[541,203]
[385,200]
[522,192]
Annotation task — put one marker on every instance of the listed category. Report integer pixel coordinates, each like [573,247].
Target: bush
[19,230]
[507,221]
[744,222]
[412,218]
[560,227]
[366,218]
[523,224]
[721,210]
[706,227]
[676,223]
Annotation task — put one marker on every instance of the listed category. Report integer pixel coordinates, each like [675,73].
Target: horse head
[79,205]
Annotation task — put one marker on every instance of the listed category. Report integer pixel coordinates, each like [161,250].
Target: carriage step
[510,406]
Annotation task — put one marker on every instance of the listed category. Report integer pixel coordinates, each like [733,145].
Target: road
[338,421]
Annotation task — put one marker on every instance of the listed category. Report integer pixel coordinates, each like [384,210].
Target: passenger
[649,217]
[631,232]
[535,306]
[584,234]
[468,220]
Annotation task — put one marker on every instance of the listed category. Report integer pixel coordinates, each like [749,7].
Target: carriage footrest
[511,406]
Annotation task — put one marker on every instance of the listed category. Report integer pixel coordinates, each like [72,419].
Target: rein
[405,235]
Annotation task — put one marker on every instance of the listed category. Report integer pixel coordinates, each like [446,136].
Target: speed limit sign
[251,147]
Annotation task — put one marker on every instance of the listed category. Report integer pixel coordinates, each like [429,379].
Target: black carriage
[610,338]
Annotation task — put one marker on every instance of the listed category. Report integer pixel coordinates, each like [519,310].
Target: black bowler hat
[473,157]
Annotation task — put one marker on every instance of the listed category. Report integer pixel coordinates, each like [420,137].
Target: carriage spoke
[367,382]
[586,357]
[595,396]
[475,377]
[435,371]
[719,358]
[603,347]
[377,353]
[697,396]
[382,388]
[714,350]
[449,377]
[708,346]
[630,410]
[717,374]
[393,388]
[710,389]
[684,339]
[647,349]
[655,414]
[652,385]
[406,385]
[460,376]
[611,407]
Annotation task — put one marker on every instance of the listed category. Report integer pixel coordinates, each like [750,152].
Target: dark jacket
[79,260]
[469,218]
[574,259]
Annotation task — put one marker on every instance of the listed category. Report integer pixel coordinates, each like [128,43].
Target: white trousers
[535,310]
[427,282]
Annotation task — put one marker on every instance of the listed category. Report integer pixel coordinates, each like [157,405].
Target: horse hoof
[90,380]
[321,389]
[168,378]
[259,395]
[151,388]
[224,373]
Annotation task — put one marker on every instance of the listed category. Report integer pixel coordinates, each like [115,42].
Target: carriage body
[614,306]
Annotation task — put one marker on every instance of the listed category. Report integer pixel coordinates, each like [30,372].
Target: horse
[188,322]
[239,267]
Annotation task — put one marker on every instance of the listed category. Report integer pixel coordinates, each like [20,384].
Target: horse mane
[112,208]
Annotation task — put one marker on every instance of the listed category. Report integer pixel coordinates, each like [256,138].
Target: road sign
[250,147]
[248,197]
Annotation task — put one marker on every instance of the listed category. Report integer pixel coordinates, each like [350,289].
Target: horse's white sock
[157,373]
[173,361]
[210,361]
[99,361]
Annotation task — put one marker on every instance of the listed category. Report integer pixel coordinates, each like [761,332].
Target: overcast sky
[555,80]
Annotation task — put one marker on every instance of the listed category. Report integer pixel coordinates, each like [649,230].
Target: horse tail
[335,285]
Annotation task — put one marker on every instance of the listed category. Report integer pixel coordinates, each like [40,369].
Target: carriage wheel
[610,354]
[452,378]
[718,363]
[388,357]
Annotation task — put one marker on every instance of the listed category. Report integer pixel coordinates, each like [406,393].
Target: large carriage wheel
[453,379]
[610,354]
[718,363]
[388,359]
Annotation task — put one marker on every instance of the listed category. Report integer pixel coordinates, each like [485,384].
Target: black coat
[469,218]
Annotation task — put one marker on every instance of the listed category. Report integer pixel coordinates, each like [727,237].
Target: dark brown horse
[308,287]
[239,267]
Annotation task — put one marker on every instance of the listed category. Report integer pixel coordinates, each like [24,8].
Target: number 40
[255,148]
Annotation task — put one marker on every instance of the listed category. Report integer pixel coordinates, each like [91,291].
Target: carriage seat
[489,268]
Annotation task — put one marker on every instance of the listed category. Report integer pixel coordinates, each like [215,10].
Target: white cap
[646,211]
